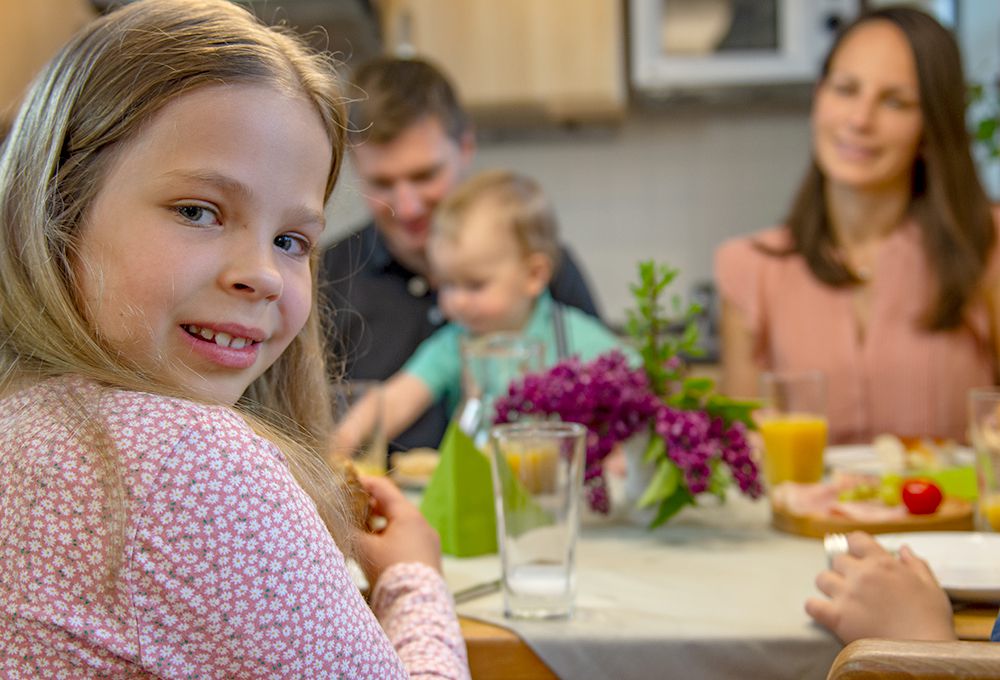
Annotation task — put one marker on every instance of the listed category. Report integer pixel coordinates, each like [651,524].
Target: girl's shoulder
[141,425]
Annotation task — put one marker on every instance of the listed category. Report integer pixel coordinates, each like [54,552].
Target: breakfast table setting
[621,518]
[716,593]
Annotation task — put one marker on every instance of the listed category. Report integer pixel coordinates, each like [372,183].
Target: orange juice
[989,510]
[535,468]
[793,447]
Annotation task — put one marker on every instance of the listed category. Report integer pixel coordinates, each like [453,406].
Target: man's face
[404,180]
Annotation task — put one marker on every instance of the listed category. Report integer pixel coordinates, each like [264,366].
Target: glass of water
[538,484]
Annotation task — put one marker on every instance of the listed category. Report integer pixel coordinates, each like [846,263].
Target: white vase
[638,474]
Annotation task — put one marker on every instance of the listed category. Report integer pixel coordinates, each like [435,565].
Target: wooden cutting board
[954,515]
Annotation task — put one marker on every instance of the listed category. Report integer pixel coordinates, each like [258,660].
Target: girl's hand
[406,536]
[875,594]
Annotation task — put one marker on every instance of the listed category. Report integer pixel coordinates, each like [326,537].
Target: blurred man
[411,142]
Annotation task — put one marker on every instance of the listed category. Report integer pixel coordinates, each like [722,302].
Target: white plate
[862,458]
[852,457]
[966,563]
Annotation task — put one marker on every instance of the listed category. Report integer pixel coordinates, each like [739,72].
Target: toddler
[493,249]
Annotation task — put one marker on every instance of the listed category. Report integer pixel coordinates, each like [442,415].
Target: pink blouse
[898,378]
[226,569]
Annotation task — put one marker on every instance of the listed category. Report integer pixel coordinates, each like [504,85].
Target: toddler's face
[194,258]
[485,283]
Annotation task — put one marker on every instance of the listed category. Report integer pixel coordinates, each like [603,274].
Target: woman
[885,272]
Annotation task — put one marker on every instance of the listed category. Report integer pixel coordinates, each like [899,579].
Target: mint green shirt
[437,362]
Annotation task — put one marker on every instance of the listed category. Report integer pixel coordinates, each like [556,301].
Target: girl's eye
[197,214]
[293,244]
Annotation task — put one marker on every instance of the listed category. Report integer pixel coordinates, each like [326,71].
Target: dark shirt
[381,312]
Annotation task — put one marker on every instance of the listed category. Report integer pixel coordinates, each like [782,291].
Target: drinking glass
[490,363]
[984,433]
[793,425]
[372,456]
[538,483]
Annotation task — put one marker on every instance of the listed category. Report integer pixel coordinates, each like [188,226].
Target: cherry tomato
[921,496]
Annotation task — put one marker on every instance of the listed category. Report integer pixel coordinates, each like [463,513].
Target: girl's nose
[253,272]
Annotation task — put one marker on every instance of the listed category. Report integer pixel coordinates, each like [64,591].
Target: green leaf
[719,480]
[986,129]
[655,449]
[664,483]
[671,506]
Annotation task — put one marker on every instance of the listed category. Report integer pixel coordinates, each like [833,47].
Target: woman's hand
[875,594]
[405,537]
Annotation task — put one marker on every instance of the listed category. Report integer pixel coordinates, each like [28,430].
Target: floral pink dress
[897,378]
[226,570]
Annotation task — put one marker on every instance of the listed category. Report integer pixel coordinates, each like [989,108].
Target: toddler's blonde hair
[519,206]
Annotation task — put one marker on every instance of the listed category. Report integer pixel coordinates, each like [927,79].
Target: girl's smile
[235,347]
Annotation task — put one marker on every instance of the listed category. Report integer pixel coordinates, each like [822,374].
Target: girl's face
[485,282]
[867,123]
[194,258]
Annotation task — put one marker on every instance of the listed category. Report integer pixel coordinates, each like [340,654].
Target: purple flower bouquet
[697,438]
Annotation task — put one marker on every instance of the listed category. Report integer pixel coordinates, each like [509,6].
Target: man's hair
[396,93]
[519,206]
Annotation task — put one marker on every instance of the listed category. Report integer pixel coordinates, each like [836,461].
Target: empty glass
[538,483]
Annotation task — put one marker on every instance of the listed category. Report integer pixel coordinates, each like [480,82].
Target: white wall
[668,186]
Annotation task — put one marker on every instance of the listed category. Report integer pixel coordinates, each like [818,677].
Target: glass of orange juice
[793,425]
[984,431]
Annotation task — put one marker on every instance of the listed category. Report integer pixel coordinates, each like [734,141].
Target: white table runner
[716,593]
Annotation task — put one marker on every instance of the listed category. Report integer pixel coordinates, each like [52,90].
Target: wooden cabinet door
[563,59]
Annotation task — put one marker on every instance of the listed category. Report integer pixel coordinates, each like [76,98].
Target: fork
[834,544]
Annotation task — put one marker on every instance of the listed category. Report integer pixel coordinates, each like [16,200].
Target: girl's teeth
[220,339]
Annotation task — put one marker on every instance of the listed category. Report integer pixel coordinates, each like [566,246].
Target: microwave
[693,44]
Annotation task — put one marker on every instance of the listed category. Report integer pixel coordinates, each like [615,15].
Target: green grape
[889,491]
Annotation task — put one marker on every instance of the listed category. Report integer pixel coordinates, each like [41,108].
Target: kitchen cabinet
[558,60]
[30,34]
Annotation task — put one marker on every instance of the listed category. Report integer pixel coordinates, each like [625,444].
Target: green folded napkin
[458,500]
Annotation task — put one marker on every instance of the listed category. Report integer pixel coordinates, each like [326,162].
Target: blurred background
[658,127]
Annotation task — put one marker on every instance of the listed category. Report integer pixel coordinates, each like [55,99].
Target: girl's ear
[539,273]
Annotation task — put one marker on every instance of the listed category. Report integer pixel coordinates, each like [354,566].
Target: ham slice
[805,499]
[869,511]
[822,500]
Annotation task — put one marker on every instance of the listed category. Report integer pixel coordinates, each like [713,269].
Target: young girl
[493,249]
[161,195]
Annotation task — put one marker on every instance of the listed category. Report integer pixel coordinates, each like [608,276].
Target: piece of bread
[356,496]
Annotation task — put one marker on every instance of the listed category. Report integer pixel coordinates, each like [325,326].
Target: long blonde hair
[95,96]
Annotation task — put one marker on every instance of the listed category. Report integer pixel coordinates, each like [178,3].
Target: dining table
[716,592]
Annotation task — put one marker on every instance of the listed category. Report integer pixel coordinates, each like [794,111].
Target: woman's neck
[859,217]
